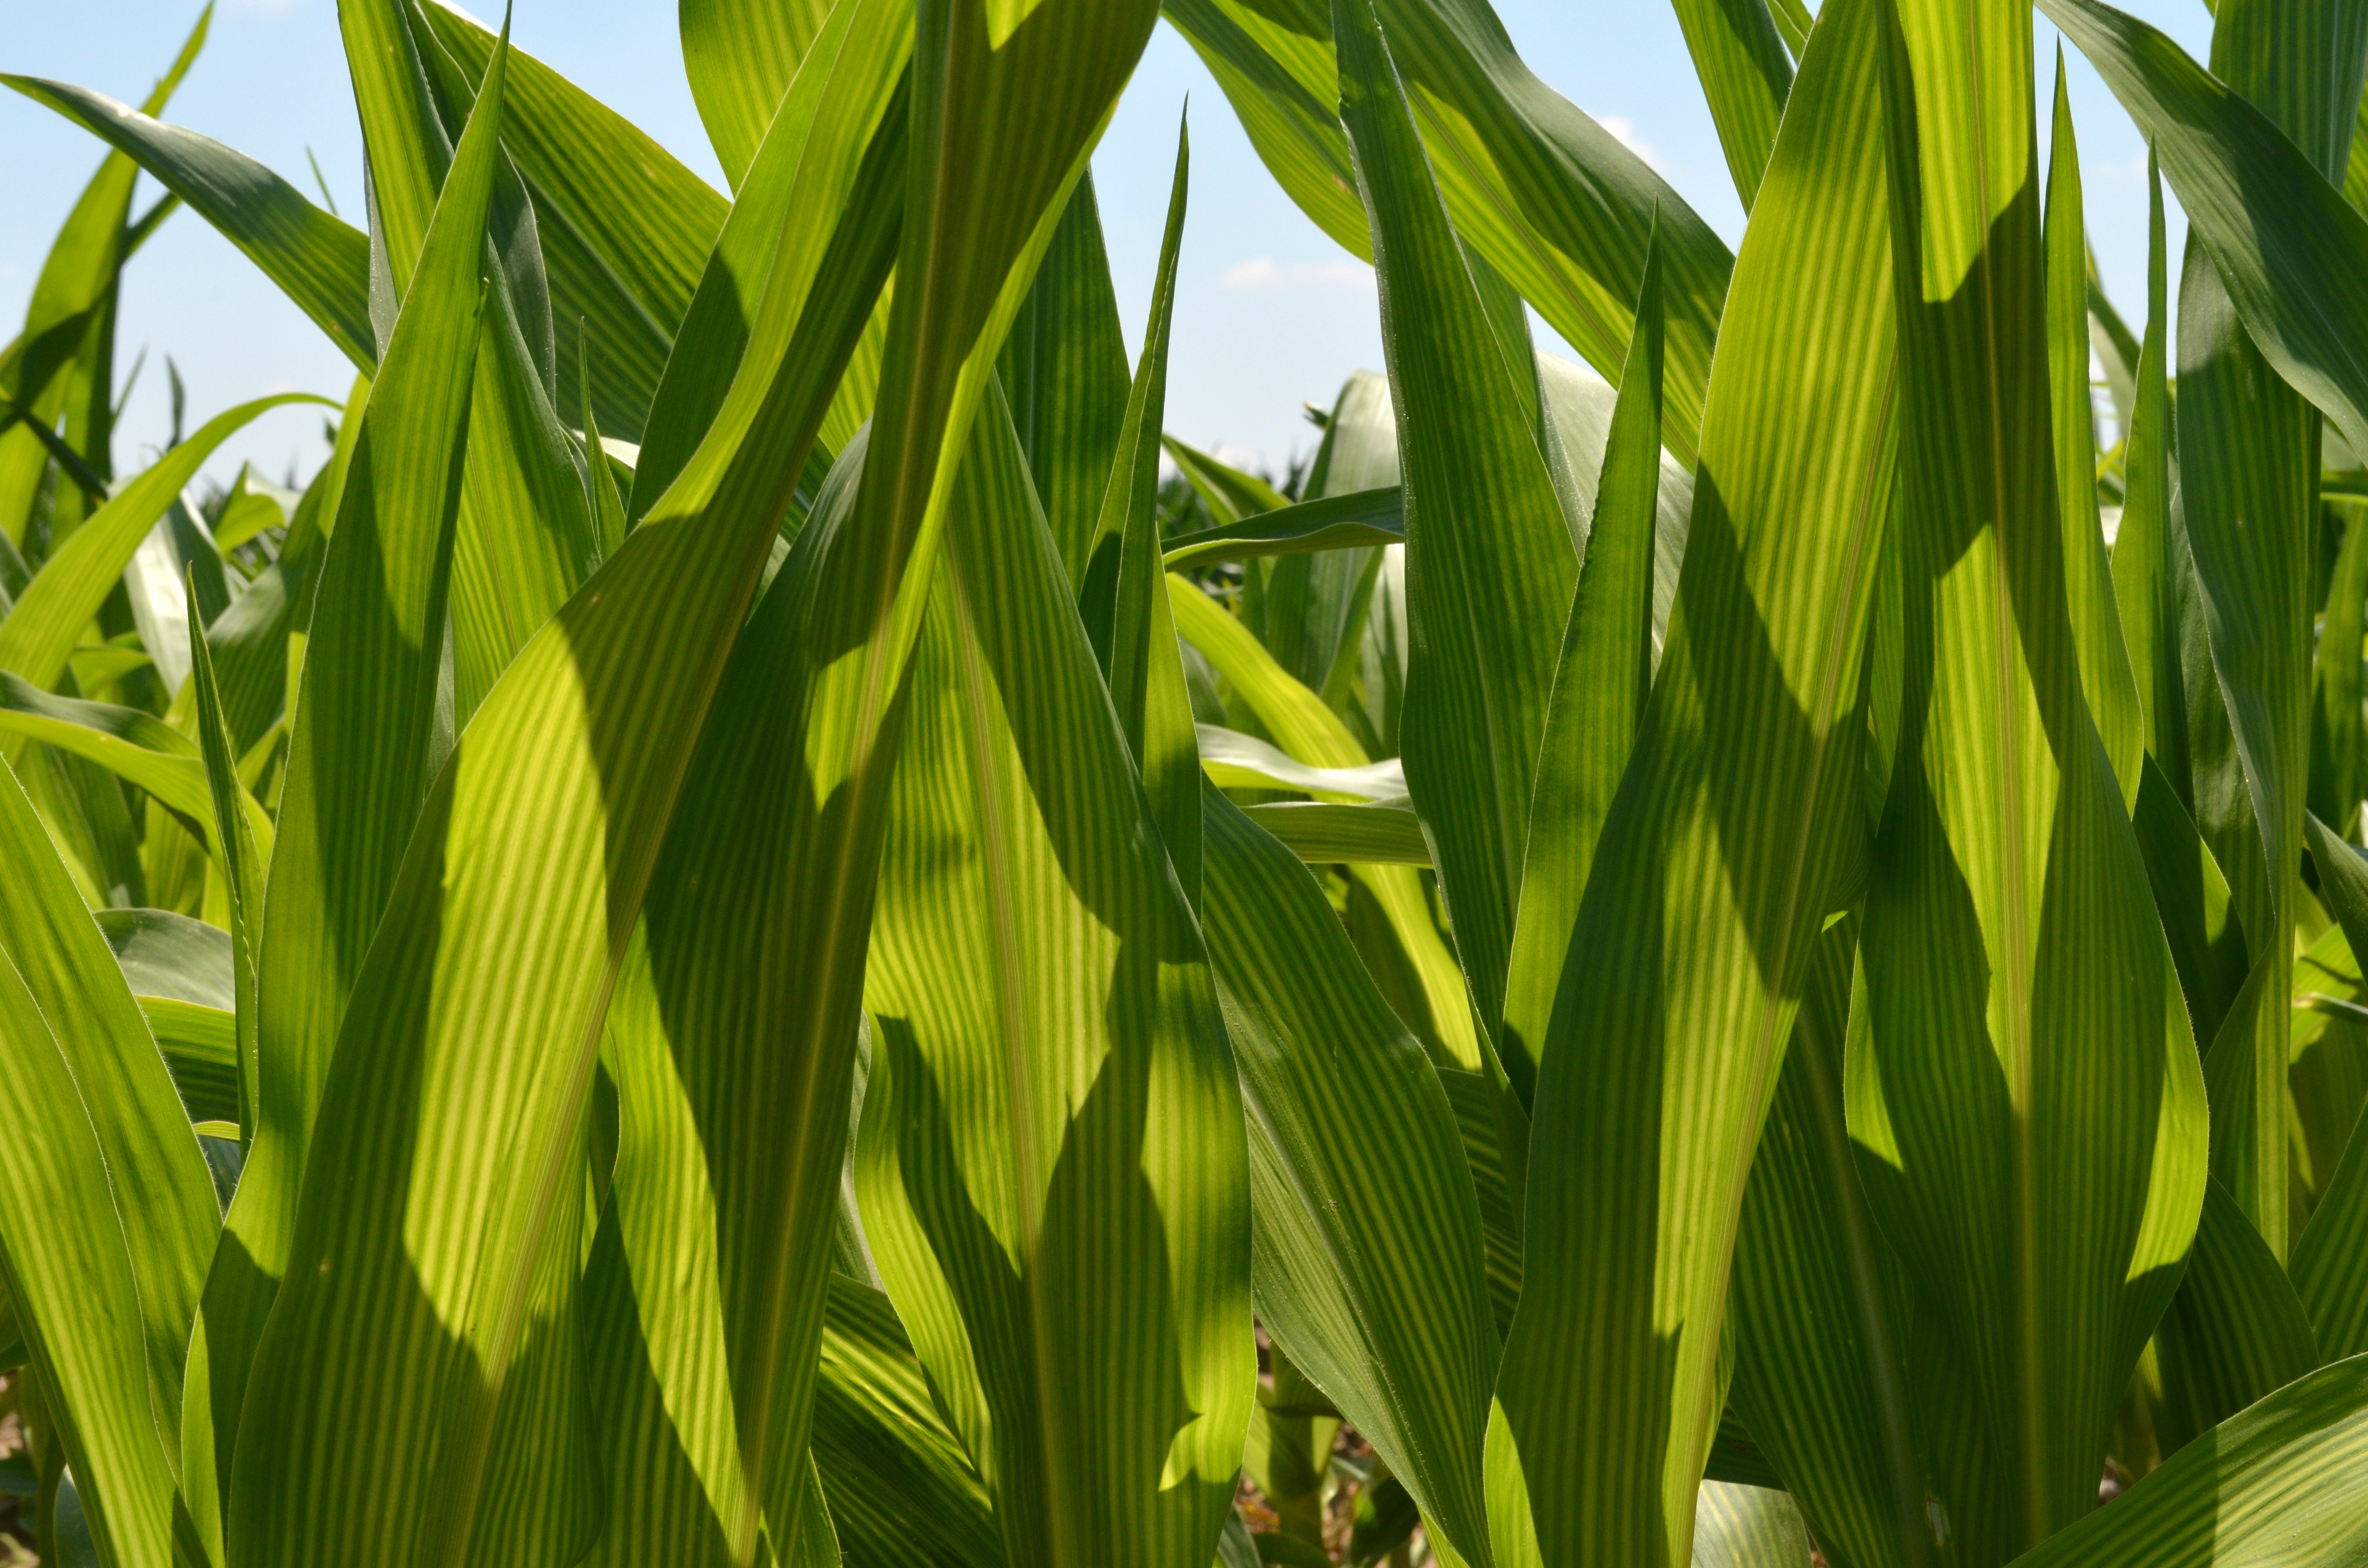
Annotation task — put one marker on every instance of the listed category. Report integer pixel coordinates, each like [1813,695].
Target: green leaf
[1230,494]
[1063,373]
[321,264]
[52,613]
[69,323]
[2107,684]
[1731,835]
[2294,269]
[2249,464]
[1490,556]
[1323,832]
[525,540]
[1051,1167]
[901,1492]
[1746,73]
[2331,1252]
[1314,734]
[2149,581]
[1239,761]
[244,855]
[167,955]
[362,748]
[716,330]
[625,228]
[2338,737]
[1821,1375]
[2236,1332]
[1146,678]
[1602,683]
[1360,518]
[455,1102]
[107,1213]
[2028,1097]
[1553,201]
[741,58]
[1369,1273]
[2264,1487]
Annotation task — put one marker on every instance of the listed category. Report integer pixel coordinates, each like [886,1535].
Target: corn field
[766,927]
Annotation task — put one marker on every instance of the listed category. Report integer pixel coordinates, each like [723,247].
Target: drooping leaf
[39,634]
[1360,518]
[1557,204]
[2338,734]
[2291,267]
[321,263]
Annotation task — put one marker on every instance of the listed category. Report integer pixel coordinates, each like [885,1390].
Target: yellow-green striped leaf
[1733,832]
[1369,1273]
[1051,1169]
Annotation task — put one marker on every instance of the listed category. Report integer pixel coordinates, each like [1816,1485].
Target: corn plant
[765,926]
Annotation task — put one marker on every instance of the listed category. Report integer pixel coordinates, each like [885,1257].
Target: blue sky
[1269,313]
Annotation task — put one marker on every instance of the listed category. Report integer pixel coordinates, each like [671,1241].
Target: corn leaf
[1050,1169]
[741,58]
[1490,559]
[1064,374]
[902,1492]
[39,634]
[2236,1333]
[1731,836]
[1358,519]
[1146,684]
[321,263]
[1369,1270]
[1316,736]
[2028,1097]
[1554,202]
[2106,682]
[2328,1256]
[2258,1489]
[624,227]
[107,1213]
[1602,683]
[1325,832]
[1746,73]
[362,749]
[2292,266]
[715,329]
[71,319]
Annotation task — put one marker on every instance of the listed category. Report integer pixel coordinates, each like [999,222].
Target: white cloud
[1623,130]
[1259,272]
[1264,272]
